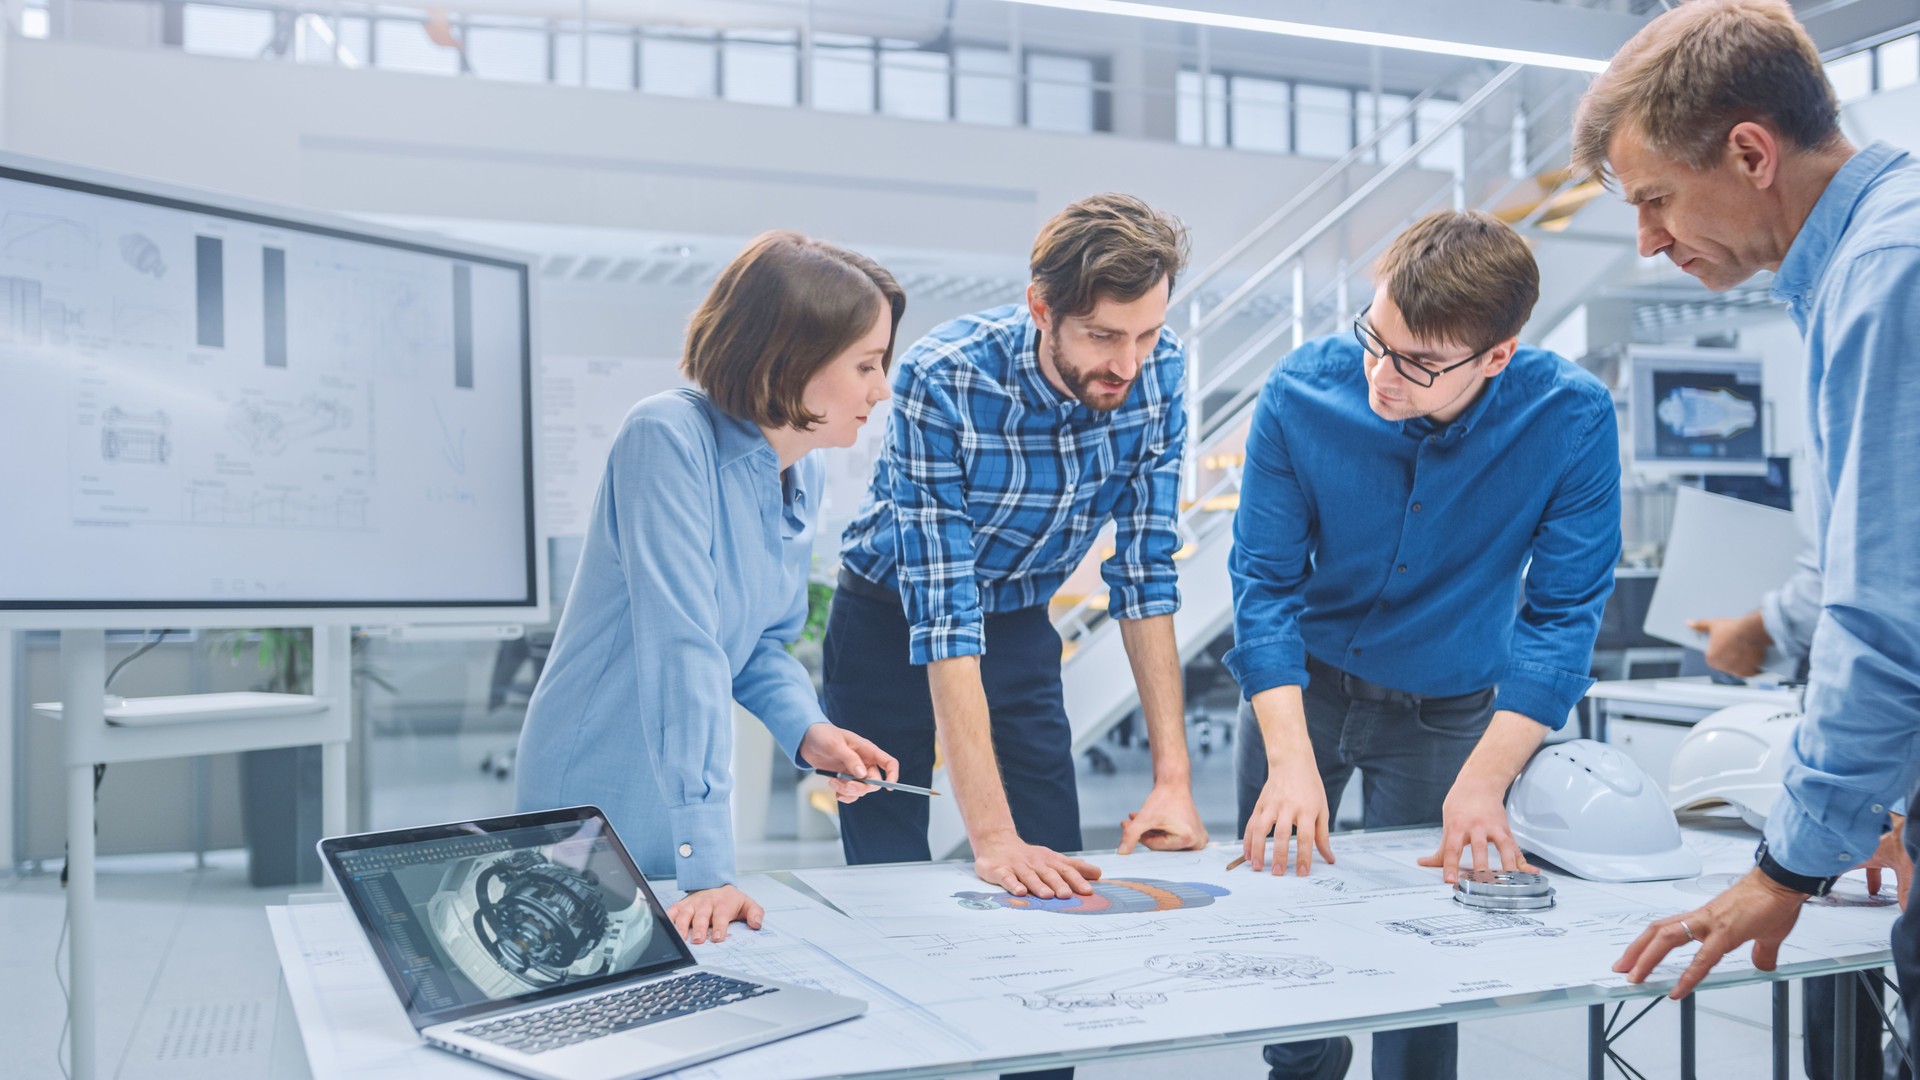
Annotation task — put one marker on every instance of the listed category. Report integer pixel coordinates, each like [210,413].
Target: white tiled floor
[189,984]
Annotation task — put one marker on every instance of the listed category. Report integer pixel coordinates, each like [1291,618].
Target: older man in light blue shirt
[1718,124]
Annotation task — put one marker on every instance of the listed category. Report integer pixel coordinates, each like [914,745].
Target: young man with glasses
[1428,525]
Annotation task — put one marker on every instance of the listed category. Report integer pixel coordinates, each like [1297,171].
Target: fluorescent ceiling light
[1320,32]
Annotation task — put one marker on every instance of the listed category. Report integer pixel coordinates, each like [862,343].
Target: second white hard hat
[1592,811]
[1736,757]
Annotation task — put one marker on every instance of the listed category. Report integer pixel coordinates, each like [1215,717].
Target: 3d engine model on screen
[523,922]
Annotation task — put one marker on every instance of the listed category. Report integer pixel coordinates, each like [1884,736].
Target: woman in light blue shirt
[693,575]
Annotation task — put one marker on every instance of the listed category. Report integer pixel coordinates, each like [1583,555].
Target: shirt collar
[1031,383]
[1812,248]
[734,438]
[1421,426]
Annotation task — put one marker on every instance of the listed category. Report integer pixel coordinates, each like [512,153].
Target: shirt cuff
[1264,663]
[702,835]
[943,640]
[1804,843]
[1542,694]
[1143,601]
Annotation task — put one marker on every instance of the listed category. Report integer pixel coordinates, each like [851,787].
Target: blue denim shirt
[1438,561]
[992,485]
[1851,281]
[692,578]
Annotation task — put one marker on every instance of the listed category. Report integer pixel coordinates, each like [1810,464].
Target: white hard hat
[1592,811]
[1737,756]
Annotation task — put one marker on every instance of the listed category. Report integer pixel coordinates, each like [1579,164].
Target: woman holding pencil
[693,576]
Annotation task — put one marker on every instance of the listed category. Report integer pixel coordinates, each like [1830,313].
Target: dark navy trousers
[1408,750]
[871,688]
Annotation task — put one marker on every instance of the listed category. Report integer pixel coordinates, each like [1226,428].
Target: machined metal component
[1503,890]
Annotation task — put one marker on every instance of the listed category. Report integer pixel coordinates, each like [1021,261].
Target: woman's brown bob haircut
[1105,246]
[1462,277]
[1690,75]
[782,309]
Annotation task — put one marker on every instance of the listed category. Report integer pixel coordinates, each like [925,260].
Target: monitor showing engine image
[468,921]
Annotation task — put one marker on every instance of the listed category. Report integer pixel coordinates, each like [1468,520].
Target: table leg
[1843,1043]
[80,911]
[1596,1042]
[1782,1041]
[1688,1040]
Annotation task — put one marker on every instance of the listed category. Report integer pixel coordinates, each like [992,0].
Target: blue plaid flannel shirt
[991,485]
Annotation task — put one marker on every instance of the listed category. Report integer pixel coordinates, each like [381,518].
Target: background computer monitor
[216,413]
[1696,411]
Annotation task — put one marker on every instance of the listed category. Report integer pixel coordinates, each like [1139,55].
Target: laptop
[531,942]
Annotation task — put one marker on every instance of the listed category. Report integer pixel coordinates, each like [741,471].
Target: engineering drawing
[143,255]
[47,239]
[1138,992]
[1070,1002]
[134,438]
[1216,965]
[1467,929]
[1693,413]
[1119,896]
[270,431]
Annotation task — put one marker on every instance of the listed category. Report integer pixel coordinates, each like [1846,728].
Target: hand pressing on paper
[1021,868]
[1757,909]
[835,748]
[1891,855]
[1474,817]
[1292,803]
[706,913]
[1167,821]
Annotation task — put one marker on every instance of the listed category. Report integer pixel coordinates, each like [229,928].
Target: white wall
[397,143]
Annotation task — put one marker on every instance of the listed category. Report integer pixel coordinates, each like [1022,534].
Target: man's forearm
[1504,749]
[1282,715]
[1155,658]
[960,720]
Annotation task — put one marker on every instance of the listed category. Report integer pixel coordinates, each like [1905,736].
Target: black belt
[859,586]
[1354,686]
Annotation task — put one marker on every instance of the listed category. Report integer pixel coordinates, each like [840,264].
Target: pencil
[1237,860]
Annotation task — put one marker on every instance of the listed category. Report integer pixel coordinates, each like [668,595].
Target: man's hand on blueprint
[1891,855]
[1167,821]
[706,913]
[1294,801]
[1756,909]
[1475,817]
[1005,860]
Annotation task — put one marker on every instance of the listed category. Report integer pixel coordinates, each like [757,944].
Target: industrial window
[225,31]
[1260,114]
[513,50]
[843,73]
[983,86]
[1322,120]
[760,67]
[1200,119]
[1062,95]
[679,64]
[913,82]
[403,45]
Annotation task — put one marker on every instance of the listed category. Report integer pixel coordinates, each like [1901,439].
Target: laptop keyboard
[590,1018]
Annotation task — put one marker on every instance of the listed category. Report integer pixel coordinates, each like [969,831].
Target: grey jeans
[1408,750]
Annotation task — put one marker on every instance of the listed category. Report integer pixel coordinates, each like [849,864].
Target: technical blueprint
[1172,946]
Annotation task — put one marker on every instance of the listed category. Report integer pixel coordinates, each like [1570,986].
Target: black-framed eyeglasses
[1410,369]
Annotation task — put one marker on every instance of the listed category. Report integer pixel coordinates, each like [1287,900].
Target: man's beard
[1080,382]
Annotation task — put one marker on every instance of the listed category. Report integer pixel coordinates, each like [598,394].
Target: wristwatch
[1812,886]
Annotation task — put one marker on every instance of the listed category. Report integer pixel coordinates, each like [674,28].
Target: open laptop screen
[472,916]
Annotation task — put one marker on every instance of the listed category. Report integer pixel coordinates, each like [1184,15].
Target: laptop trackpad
[699,1033]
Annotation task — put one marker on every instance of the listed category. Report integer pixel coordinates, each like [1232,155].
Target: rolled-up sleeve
[935,537]
[1269,564]
[1142,578]
[687,722]
[1858,749]
[1575,548]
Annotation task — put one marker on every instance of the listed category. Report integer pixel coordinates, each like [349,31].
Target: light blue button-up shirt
[692,578]
[1852,283]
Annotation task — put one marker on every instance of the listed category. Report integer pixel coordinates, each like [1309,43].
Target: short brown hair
[1462,277]
[780,310]
[1105,246]
[1690,75]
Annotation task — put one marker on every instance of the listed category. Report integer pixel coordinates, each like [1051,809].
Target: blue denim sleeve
[1858,749]
[1272,532]
[1575,548]
[772,684]
[1142,578]
[934,526]
[660,482]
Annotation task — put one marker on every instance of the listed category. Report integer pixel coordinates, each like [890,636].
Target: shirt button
[1384,605]
[1847,855]
[1416,508]
[686,851]
[1356,652]
[1879,809]
[1402,568]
